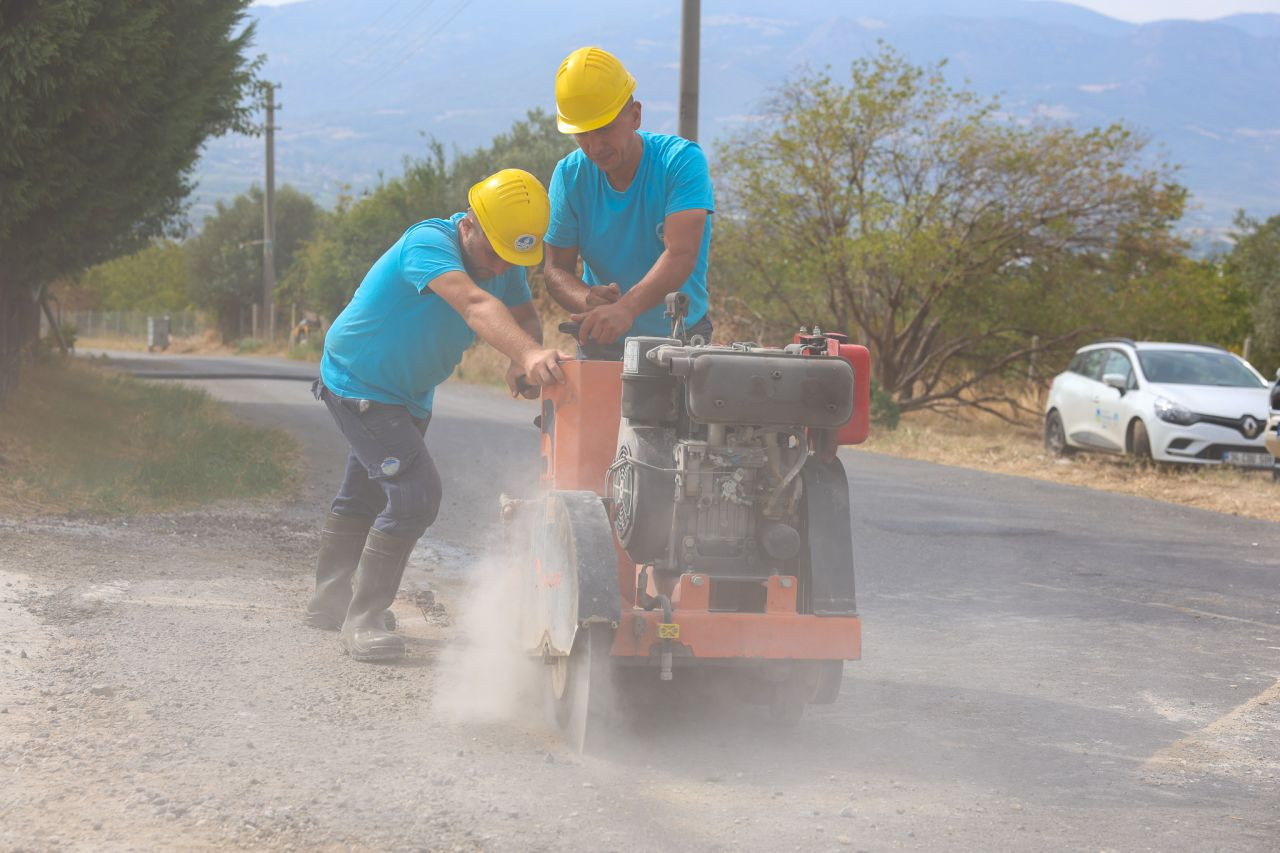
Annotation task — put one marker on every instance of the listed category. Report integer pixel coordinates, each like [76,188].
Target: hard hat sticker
[525,242]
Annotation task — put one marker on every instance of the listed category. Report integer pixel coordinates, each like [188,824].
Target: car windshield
[1185,367]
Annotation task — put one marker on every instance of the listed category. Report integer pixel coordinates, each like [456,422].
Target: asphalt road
[1045,667]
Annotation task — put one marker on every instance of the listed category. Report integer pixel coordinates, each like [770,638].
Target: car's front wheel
[1140,443]
[1055,437]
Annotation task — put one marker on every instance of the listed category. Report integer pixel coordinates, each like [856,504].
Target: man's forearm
[569,291]
[493,323]
[531,323]
[667,275]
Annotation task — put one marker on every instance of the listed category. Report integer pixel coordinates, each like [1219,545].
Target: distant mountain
[1264,26]
[364,82]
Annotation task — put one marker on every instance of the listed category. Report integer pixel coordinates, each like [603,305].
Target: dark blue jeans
[390,477]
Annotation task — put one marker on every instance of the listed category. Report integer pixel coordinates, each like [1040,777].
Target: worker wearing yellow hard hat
[442,284]
[634,205]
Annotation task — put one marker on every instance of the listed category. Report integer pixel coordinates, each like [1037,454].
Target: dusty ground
[157,692]
[1044,668]
[157,686]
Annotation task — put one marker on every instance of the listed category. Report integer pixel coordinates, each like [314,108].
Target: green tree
[1184,300]
[534,144]
[153,279]
[225,259]
[356,233]
[105,106]
[953,242]
[1255,263]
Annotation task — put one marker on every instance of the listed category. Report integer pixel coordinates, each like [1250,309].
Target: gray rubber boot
[341,543]
[364,635]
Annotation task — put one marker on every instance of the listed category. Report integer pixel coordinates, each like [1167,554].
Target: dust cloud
[484,674]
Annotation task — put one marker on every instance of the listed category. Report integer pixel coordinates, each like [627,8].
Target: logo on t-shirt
[661,230]
[525,242]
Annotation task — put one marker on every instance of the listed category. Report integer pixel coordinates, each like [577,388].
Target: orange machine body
[580,420]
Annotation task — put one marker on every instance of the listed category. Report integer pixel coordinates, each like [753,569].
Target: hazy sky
[1151,10]
[1127,10]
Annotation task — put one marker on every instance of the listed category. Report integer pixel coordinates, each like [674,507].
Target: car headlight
[1174,413]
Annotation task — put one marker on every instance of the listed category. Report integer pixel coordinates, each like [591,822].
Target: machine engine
[713,441]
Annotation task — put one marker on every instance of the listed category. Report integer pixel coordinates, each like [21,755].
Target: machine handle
[525,389]
[592,350]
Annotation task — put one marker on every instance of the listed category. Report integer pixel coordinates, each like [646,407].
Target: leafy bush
[884,410]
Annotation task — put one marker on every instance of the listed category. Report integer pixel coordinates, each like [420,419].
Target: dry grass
[206,342]
[75,438]
[986,444]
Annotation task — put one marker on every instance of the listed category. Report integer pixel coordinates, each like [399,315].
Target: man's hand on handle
[540,367]
[519,384]
[603,295]
[604,324]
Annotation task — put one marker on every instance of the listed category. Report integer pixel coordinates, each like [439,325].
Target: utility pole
[269,218]
[690,27]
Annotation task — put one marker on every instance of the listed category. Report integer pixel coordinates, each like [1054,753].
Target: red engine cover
[859,358]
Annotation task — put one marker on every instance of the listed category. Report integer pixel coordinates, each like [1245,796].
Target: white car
[1167,402]
[1272,435]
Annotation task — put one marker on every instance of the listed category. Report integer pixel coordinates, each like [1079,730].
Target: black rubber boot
[364,635]
[341,543]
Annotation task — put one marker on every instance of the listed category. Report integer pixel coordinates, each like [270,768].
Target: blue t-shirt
[619,234]
[397,340]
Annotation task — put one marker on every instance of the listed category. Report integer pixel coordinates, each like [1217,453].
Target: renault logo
[1250,426]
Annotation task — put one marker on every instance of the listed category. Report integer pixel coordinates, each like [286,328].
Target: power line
[399,28]
[347,42]
[457,10]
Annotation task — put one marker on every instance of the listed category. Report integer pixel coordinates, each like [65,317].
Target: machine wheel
[830,675]
[1140,443]
[786,707]
[581,688]
[799,684]
[1055,437]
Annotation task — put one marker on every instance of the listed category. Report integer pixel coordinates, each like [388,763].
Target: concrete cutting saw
[692,518]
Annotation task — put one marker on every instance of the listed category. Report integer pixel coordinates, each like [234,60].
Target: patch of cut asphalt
[1044,668]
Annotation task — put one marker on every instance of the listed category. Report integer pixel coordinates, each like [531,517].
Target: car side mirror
[1117,381]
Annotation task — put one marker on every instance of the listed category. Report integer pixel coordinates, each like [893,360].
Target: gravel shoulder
[157,690]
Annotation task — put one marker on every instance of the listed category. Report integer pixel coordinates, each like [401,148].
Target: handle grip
[526,389]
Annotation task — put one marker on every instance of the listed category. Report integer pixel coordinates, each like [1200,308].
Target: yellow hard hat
[513,210]
[592,87]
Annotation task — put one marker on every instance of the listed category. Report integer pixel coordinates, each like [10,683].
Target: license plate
[1248,460]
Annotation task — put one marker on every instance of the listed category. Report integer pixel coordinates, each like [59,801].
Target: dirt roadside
[158,692]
